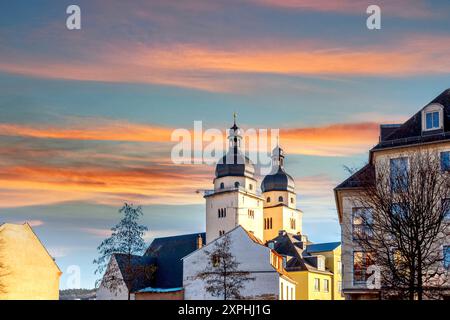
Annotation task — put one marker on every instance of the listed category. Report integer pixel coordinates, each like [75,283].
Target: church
[235,200]
[267,229]
[267,241]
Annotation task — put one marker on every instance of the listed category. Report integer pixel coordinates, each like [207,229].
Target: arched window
[218,213]
[292,200]
[224,212]
[250,186]
[268,199]
[280,199]
[236,184]
[222,185]
[270,224]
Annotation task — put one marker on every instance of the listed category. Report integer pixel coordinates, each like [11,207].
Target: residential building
[314,267]
[28,271]
[427,130]
[253,258]
[165,255]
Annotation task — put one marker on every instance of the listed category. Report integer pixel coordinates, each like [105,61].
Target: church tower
[234,200]
[280,203]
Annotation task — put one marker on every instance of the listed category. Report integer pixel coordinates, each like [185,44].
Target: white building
[235,200]
[253,257]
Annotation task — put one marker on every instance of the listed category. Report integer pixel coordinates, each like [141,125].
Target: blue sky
[86,116]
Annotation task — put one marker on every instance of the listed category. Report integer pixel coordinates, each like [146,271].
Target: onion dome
[279,180]
[234,163]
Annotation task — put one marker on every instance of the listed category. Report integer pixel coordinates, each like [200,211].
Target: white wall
[254,258]
[121,293]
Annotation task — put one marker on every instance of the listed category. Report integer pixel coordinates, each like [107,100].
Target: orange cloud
[214,69]
[44,175]
[327,140]
[331,140]
[47,184]
[91,129]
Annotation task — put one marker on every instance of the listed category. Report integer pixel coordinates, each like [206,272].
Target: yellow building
[28,271]
[315,268]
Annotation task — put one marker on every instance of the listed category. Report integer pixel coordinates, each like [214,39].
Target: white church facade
[235,200]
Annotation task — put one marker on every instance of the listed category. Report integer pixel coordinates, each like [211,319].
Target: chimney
[199,241]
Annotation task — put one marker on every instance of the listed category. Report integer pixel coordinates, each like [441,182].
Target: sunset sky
[86,116]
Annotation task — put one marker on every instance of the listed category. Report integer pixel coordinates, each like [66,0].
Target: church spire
[235,137]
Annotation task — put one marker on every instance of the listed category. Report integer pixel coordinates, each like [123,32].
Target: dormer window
[432,117]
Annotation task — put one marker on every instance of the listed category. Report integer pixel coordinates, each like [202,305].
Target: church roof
[279,180]
[235,164]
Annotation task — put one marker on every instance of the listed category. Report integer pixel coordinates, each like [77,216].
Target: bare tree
[400,223]
[222,275]
[120,255]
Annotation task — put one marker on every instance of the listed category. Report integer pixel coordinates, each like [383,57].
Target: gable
[21,238]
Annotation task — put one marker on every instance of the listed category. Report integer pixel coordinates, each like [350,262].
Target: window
[281,290]
[447,257]
[215,259]
[320,263]
[445,161]
[399,211]
[326,285]
[362,220]
[432,120]
[280,199]
[361,261]
[268,199]
[316,284]
[251,214]
[222,185]
[292,200]
[250,186]
[292,223]
[222,213]
[221,233]
[236,184]
[399,174]
[446,208]
[267,223]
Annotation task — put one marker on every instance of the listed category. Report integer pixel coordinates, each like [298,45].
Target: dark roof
[298,259]
[410,132]
[321,247]
[279,181]
[359,178]
[141,280]
[387,129]
[167,253]
[234,163]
